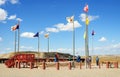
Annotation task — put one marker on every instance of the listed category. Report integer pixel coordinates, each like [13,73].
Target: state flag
[36,35]
[86,8]
[13,28]
[70,19]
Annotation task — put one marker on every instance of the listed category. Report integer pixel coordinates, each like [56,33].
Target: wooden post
[107,64]
[19,64]
[57,65]
[90,65]
[99,66]
[80,65]
[69,65]
[31,66]
[115,64]
[16,64]
[43,65]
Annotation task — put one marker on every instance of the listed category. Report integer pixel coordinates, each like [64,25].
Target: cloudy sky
[50,16]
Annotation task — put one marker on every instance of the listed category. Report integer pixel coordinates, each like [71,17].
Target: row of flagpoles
[14,28]
[70,20]
[46,36]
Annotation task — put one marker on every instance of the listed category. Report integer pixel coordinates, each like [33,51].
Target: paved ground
[63,72]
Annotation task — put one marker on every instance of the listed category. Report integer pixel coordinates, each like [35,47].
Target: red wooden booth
[19,60]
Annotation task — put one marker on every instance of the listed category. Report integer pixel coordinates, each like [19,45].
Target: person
[56,58]
[69,58]
[97,60]
[90,59]
[78,59]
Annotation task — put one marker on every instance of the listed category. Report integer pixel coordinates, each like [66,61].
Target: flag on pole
[36,35]
[86,8]
[93,33]
[87,21]
[13,28]
[46,35]
[84,35]
[70,19]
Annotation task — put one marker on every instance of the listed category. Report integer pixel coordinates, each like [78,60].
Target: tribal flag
[86,8]
[46,35]
[36,35]
[93,33]
[13,28]
[70,19]
[87,21]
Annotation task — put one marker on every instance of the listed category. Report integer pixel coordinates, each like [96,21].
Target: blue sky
[49,15]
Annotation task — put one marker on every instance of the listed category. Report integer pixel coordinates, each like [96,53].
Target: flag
[84,35]
[70,19]
[36,35]
[13,28]
[46,35]
[86,8]
[93,33]
[87,21]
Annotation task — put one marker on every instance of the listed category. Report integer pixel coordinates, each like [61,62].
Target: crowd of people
[78,59]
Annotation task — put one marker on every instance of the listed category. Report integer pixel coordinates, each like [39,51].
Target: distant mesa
[37,54]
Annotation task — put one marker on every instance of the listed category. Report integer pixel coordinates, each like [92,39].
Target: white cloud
[82,16]
[110,49]
[116,45]
[14,1]
[1,39]
[64,50]
[27,34]
[68,26]
[26,47]
[8,49]
[3,22]
[91,18]
[30,34]
[3,14]
[19,19]
[102,39]
[52,30]
[2,2]
[42,32]
[12,17]
[64,27]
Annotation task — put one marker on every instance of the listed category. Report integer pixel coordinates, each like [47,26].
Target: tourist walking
[97,60]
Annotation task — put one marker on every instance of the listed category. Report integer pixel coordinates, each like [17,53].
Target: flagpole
[18,35]
[86,39]
[48,44]
[92,44]
[38,48]
[38,45]
[15,43]
[73,44]
[86,43]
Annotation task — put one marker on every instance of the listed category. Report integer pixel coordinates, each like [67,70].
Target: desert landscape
[64,71]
